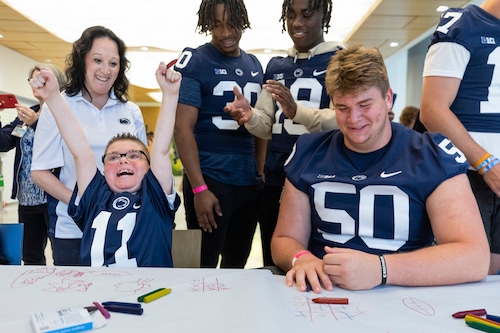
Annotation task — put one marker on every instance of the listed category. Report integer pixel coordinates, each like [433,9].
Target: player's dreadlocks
[324,5]
[235,9]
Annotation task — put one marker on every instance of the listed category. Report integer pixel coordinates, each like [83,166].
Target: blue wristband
[491,165]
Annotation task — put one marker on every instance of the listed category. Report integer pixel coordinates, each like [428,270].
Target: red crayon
[330,300]
[462,314]
[170,64]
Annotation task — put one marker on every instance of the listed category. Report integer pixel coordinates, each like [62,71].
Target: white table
[216,300]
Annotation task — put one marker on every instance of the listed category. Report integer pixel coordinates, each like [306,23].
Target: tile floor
[9,215]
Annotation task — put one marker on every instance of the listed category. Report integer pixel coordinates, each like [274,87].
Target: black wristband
[384,269]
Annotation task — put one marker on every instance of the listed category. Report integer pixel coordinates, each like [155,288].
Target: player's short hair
[128,137]
[236,13]
[355,69]
[324,5]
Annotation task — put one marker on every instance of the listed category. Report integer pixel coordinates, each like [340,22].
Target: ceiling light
[442,9]
[393,44]
[1,36]
[144,48]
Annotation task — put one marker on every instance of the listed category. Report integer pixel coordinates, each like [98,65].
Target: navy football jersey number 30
[224,86]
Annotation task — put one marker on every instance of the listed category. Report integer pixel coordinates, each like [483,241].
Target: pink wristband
[199,189]
[298,255]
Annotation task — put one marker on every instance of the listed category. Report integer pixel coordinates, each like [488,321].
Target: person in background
[126,214]
[220,158]
[32,200]
[460,93]
[150,135]
[391,115]
[364,206]
[96,94]
[293,100]
[408,116]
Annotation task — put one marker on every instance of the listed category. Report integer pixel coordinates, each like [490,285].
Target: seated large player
[376,202]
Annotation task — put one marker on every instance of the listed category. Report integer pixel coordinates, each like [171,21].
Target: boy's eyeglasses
[131,155]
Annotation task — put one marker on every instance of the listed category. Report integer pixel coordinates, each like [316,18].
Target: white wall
[14,73]
[396,68]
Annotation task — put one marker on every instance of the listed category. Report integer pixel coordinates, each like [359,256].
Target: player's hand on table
[352,269]
[308,268]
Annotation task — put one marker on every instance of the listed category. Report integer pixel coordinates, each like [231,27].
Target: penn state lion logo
[121,203]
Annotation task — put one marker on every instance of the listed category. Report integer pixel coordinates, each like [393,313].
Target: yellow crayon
[156,295]
[482,323]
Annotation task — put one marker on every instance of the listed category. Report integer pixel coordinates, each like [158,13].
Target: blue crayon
[124,309]
[493,318]
[132,305]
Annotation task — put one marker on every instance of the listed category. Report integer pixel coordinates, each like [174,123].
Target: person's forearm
[263,116]
[70,129]
[188,153]
[447,123]
[50,184]
[437,265]
[316,120]
[283,249]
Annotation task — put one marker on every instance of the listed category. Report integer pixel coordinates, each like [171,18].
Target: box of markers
[66,320]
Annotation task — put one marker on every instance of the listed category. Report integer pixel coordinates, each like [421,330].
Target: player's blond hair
[355,69]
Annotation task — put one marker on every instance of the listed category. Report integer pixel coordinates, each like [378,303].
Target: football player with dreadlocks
[220,186]
[293,100]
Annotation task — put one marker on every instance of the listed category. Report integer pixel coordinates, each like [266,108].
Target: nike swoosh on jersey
[316,72]
[254,73]
[387,175]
